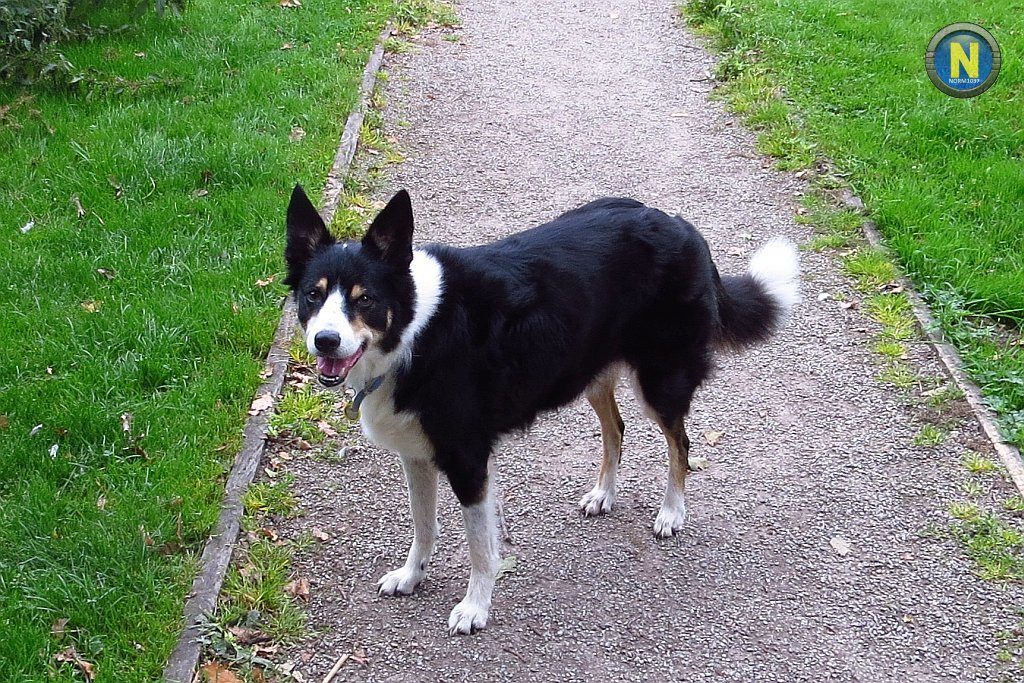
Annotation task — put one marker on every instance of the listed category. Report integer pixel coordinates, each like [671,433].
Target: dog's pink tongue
[337,367]
[330,367]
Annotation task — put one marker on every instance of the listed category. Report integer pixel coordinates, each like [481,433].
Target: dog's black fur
[525,324]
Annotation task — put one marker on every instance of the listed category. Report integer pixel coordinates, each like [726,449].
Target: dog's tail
[754,305]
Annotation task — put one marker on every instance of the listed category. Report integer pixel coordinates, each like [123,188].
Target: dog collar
[352,409]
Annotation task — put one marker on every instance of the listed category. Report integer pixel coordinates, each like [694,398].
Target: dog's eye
[313,296]
[364,301]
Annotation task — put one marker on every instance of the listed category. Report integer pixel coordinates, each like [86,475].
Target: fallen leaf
[78,206]
[848,305]
[713,437]
[28,226]
[289,4]
[840,545]
[297,134]
[359,657]
[267,532]
[126,422]
[5,422]
[299,588]
[146,538]
[261,403]
[264,283]
[59,627]
[101,502]
[35,430]
[801,211]
[92,305]
[319,534]
[734,251]
[53,451]
[287,46]
[248,636]
[326,428]
[215,672]
[892,288]
[140,54]
[507,566]
[49,371]
[201,192]
[107,273]
[71,656]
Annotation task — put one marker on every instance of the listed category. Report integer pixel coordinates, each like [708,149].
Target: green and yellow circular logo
[963,60]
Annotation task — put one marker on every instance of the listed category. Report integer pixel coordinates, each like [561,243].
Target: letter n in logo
[958,58]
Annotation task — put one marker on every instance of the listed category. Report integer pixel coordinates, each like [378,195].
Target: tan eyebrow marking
[357,291]
[321,284]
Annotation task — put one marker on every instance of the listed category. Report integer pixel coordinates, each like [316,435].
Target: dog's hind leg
[673,507]
[665,394]
[480,518]
[421,476]
[601,395]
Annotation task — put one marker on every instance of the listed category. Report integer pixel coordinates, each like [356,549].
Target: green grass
[844,80]
[178,148]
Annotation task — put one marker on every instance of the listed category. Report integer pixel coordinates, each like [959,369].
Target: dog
[448,349]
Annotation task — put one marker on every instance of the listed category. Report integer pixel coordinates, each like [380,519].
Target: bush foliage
[31,31]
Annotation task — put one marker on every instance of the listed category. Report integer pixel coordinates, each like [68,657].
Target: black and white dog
[449,349]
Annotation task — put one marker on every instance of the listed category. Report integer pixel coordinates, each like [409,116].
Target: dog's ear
[307,235]
[390,235]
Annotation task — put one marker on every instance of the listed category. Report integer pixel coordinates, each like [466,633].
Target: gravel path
[541,106]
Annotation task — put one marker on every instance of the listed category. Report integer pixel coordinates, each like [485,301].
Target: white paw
[401,581]
[669,521]
[697,463]
[467,618]
[597,502]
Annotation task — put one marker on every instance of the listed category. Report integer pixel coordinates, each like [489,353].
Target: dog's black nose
[326,342]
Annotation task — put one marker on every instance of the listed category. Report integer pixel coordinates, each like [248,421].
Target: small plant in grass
[299,412]
[1014,504]
[976,463]
[790,149]
[411,14]
[258,583]
[271,498]
[396,45]
[871,267]
[972,488]
[944,395]
[930,436]
[899,375]
[994,545]
[892,350]
[894,312]
[964,511]
[830,241]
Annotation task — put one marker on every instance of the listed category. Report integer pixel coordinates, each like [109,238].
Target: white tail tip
[776,265]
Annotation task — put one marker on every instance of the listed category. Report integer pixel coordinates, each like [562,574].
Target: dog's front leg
[421,476]
[470,615]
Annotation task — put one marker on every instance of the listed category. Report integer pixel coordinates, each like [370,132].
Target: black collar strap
[352,409]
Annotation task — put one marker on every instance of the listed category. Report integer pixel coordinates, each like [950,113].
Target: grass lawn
[942,177]
[142,215]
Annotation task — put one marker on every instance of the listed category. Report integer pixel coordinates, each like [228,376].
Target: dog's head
[354,298]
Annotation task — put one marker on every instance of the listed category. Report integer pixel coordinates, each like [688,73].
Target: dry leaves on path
[713,437]
[261,403]
[215,672]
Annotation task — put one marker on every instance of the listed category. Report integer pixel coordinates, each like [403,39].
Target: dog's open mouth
[333,371]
